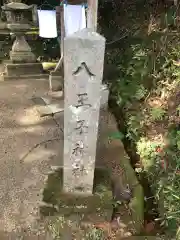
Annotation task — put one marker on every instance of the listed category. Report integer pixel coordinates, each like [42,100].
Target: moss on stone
[58,202]
[137,207]
[137,202]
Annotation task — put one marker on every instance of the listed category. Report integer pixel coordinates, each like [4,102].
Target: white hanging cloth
[74,18]
[47,23]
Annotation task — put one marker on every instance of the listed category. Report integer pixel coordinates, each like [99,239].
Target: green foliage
[55,228]
[157,113]
[94,234]
[134,126]
[162,168]
[116,135]
[61,228]
[141,92]
[178,234]
[129,85]
[174,138]
[148,67]
[147,150]
[178,140]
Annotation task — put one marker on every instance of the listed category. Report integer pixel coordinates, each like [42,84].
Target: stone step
[25,77]
[18,69]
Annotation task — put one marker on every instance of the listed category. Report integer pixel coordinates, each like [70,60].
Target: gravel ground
[30,145]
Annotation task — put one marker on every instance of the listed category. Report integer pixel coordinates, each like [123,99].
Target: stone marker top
[90,45]
[87,33]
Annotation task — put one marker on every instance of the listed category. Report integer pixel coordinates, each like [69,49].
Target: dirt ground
[30,147]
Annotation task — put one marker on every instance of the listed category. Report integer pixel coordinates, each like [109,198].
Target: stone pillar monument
[83,72]
[84,188]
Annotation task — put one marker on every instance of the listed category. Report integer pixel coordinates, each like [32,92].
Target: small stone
[127,234]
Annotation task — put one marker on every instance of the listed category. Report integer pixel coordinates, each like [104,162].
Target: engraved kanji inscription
[78,166]
[78,149]
[81,127]
[82,100]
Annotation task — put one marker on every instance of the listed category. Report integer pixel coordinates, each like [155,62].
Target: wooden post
[92,14]
[60,10]
[62,31]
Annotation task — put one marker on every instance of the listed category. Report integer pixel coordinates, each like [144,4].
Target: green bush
[145,88]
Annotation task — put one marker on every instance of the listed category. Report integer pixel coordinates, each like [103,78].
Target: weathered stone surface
[65,204]
[30,77]
[104,95]
[83,71]
[21,51]
[23,69]
[125,175]
[3,26]
[18,23]
[23,57]
[20,45]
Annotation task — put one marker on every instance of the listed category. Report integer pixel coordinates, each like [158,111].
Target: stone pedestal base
[18,71]
[97,207]
[21,51]
[22,57]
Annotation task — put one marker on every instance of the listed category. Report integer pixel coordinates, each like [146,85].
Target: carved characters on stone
[82,100]
[81,125]
[83,69]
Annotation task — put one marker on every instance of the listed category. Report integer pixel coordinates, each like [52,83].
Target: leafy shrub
[148,68]
[157,113]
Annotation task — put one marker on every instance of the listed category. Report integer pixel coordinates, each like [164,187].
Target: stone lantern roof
[16,6]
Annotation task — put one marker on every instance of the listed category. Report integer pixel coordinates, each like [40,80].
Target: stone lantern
[22,64]
[18,22]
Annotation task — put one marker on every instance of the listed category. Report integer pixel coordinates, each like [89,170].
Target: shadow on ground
[30,147]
